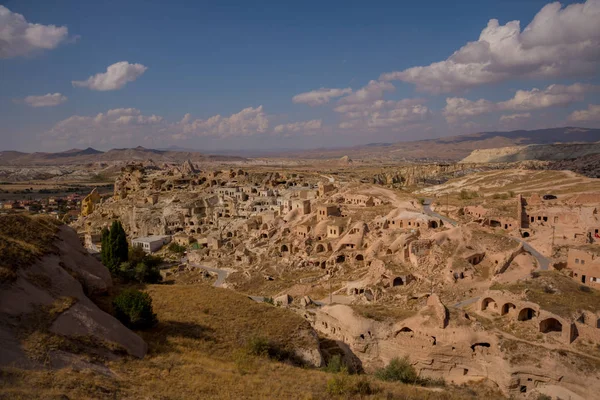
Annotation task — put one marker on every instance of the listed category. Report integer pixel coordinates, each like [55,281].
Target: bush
[176,248]
[343,384]
[585,289]
[134,309]
[258,346]
[336,364]
[262,347]
[141,267]
[338,385]
[398,370]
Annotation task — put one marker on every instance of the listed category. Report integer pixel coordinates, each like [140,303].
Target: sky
[241,75]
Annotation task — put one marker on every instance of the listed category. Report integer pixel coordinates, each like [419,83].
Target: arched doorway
[284,248]
[488,303]
[550,325]
[398,281]
[526,314]
[506,308]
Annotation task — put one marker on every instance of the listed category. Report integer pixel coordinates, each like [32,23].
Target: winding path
[427,209]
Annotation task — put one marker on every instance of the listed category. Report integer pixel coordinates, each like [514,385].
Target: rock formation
[89,202]
[46,316]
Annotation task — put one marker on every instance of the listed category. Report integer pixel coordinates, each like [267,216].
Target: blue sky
[244,62]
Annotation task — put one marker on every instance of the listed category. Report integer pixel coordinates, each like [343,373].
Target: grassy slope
[195,353]
[23,240]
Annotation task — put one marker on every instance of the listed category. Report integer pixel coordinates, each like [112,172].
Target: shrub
[343,384]
[258,346]
[398,370]
[145,273]
[134,309]
[544,397]
[363,387]
[338,385]
[176,248]
[336,364]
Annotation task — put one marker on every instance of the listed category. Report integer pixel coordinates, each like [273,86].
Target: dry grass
[556,293]
[195,352]
[23,240]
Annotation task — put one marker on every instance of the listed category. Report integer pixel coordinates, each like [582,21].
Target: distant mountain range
[452,148]
[90,155]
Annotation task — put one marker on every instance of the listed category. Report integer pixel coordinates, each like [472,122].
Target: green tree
[104,251]
[118,248]
[134,309]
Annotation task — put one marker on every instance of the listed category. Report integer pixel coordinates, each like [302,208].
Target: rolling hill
[89,155]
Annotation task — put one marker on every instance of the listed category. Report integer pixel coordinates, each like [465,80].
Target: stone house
[334,230]
[325,188]
[151,244]
[584,266]
[302,205]
[326,211]
[182,239]
[303,230]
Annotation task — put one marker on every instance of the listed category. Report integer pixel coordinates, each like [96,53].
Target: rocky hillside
[548,152]
[47,318]
[452,148]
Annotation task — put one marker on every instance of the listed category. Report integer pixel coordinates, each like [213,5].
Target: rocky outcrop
[48,302]
[89,202]
[546,152]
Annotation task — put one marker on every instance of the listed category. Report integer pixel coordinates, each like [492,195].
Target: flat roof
[149,239]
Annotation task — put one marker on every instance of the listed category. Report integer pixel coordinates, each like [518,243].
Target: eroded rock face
[89,202]
[50,297]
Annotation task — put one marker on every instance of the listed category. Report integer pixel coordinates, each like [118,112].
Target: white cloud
[383,114]
[523,100]
[557,43]
[373,91]
[515,117]
[47,100]
[591,114]
[20,38]
[306,127]
[115,77]
[320,96]
[123,126]
[247,122]
[553,95]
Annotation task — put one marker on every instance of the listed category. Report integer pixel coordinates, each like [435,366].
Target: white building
[150,244]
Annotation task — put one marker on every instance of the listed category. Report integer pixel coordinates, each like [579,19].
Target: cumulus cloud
[523,100]
[557,43]
[591,114]
[515,117]
[20,38]
[306,127]
[115,77]
[383,114]
[46,100]
[373,91]
[320,96]
[123,126]
[247,122]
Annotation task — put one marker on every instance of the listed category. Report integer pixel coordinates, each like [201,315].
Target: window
[582,262]
[577,261]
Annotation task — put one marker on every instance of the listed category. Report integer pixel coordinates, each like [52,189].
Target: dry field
[196,352]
